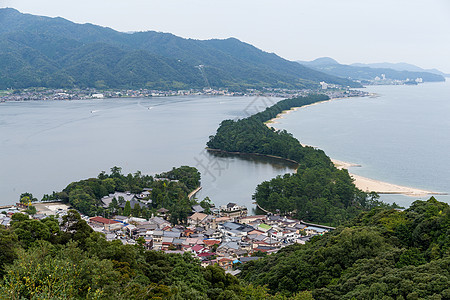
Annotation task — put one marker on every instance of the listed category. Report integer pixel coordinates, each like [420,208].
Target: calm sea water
[45,145]
[402,136]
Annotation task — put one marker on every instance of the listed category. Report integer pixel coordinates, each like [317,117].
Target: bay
[45,145]
[402,136]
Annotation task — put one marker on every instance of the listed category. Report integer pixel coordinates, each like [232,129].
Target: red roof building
[102,221]
[108,224]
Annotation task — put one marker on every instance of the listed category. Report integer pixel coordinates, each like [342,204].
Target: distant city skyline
[350,31]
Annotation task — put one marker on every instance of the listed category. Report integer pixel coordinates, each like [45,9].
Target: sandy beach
[363,183]
[285,112]
[381,187]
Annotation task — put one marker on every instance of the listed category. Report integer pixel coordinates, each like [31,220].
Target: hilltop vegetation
[318,192]
[54,52]
[382,254]
[85,195]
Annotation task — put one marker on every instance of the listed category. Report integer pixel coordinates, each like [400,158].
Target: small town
[227,236]
[331,90]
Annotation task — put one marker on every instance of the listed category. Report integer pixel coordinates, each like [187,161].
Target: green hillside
[54,52]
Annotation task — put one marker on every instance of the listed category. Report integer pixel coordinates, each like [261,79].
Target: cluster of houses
[228,239]
[227,236]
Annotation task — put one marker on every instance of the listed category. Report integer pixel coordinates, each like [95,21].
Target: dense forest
[381,254]
[56,53]
[318,192]
[85,195]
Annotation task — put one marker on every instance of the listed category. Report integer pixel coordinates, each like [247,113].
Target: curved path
[192,194]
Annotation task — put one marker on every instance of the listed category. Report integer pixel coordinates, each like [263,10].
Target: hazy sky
[414,31]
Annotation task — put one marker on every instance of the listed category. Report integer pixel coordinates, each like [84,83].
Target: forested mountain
[367,72]
[54,52]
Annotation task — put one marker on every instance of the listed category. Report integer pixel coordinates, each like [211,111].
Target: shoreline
[194,192]
[363,183]
[254,154]
[381,187]
[282,114]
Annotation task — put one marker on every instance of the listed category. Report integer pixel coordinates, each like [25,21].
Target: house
[233,210]
[188,232]
[228,247]
[197,218]
[250,219]
[213,233]
[257,232]
[162,212]
[222,220]
[312,230]
[144,195]
[205,255]
[121,219]
[197,209]
[235,229]
[131,229]
[107,224]
[210,243]
[157,238]
[264,227]
[198,249]
[133,203]
[127,196]
[172,234]
[230,207]
[160,222]
[225,263]
[178,243]
[166,243]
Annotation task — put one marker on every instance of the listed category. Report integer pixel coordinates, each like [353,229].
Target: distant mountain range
[364,72]
[40,51]
[402,66]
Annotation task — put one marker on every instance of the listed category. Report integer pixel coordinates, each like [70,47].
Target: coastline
[368,185]
[253,154]
[361,182]
[282,114]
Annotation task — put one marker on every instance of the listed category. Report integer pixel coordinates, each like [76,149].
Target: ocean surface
[45,145]
[402,136]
